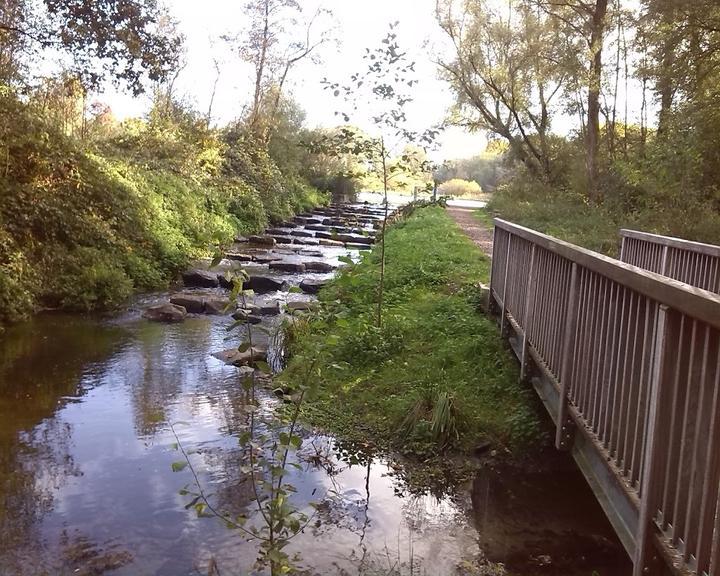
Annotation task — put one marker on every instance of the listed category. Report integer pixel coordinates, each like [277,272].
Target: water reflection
[86,483]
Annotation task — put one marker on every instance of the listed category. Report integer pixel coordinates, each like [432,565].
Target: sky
[357,25]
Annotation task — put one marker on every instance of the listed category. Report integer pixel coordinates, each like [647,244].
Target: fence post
[653,446]
[503,312]
[622,248]
[529,310]
[566,363]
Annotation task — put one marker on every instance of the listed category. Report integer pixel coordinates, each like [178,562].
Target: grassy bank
[86,222]
[436,376]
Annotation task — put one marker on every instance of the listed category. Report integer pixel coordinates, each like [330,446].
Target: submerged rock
[311,286]
[165,313]
[200,278]
[217,305]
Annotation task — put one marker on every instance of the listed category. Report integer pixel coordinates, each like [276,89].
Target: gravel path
[473,228]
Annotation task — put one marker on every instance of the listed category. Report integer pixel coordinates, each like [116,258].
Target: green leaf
[179,465]
[264,367]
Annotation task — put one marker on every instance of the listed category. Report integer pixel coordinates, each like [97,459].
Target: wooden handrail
[699,247]
[678,295]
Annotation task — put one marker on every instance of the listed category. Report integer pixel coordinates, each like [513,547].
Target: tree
[387,79]
[131,41]
[506,74]
[273,51]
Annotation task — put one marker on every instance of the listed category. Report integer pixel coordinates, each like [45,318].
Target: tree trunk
[593,127]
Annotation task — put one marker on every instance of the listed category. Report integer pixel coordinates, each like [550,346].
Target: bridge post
[654,449]
[491,303]
[503,311]
[529,309]
[563,425]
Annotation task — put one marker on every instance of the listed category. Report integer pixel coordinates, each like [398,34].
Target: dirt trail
[473,228]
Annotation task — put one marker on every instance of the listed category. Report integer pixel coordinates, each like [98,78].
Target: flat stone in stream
[239,257]
[193,303]
[288,225]
[312,286]
[319,267]
[246,315]
[353,246]
[236,358]
[266,258]
[312,253]
[351,238]
[270,309]
[326,242]
[262,240]
[169,313]
[298,306]
[307,241]
[217,305]
[283,239]
[200,278]
[301,234]
[202,303]
[262,284]
[276,232]
[291,267]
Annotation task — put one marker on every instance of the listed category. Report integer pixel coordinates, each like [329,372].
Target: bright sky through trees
[358,25]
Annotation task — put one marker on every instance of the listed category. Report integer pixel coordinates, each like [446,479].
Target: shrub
[459,187]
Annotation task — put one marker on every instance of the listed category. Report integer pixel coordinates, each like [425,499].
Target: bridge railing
[631,362]
[694,263]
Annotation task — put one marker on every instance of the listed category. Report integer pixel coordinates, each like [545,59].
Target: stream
[91,411]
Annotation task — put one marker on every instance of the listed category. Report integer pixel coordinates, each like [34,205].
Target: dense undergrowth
[645,199]
[85,222]
[436,375]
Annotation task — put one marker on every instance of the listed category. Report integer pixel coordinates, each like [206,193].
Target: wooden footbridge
[625,355]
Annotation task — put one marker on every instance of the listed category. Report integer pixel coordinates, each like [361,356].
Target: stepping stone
[292,267]
[355,239]
[236,358]
[300,306]
[270,309]
[201,278]
[288,224]
[276,232]
[241,240]
[193,303]
[319,267]
[266,258]
[325,242]
[283,239]
[264,284]
[354,246]
[310,286]
[311,253]
[246,316]
[302,234]
[217,305]
[168,313]
[262,240]
[239,257]
[306,241]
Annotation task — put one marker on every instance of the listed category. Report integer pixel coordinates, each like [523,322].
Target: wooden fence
[627,363]
[690,262]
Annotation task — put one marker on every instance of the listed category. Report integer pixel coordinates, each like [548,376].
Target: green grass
[436,375]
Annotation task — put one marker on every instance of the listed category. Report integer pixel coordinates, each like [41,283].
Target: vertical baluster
[655,445]
[570,324]
[503,314]
[529,313]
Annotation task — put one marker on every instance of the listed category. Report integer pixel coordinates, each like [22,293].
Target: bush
[458,187]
